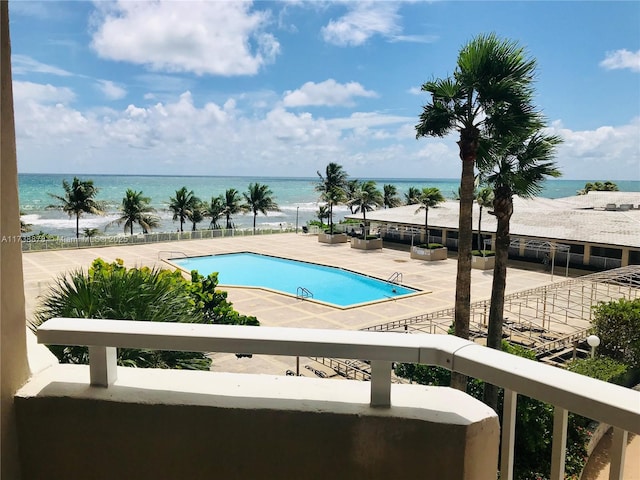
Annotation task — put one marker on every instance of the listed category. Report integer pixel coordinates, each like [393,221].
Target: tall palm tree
[259,198]
[215,211]
[412,197]
[484,198]
[332,187]
[197,213]
[182,205]
[135,208]
[488,96]
[79,197]
[232,204]
[390,199]
[366,199]
[516,166]
[350,191]
[429,198]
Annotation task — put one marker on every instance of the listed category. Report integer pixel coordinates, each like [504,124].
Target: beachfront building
[600,230]
[104,422]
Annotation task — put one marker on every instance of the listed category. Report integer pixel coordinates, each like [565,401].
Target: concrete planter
[335,238]
[372,244]
[429,254]
[483,263]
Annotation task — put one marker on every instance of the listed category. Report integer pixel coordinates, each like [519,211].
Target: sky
[283,88]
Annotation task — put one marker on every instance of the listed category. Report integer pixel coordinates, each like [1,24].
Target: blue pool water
[328,284]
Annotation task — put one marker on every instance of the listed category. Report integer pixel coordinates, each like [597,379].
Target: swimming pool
[331,285]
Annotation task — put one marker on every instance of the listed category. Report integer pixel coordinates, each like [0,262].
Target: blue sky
[283,88]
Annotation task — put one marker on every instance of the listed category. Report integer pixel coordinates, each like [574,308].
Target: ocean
[296,198]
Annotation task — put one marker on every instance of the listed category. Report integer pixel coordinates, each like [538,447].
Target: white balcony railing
[604,402]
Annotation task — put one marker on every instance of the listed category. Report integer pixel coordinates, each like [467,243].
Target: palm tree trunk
[503,209]
[131,228]
[468,144]
[77,226]
[426,224]
[255,214]
[480,246]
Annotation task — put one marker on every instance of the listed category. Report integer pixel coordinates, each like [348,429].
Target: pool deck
[436,279]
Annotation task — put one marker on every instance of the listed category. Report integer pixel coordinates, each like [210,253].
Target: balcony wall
[156,424]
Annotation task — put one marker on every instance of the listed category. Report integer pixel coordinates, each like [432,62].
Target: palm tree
[215,211]
[366,199]
[517,166]
[182,205]
[412,197]
[197,212]
[232,205]
[350,191]
[488,96]
[430,197]
[332,188]
[258,198]
[322,213]
[390,199]
[136,209]
[90,233]
[79,198]
[484,198]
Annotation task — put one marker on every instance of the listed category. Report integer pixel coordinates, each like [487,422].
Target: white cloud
[203,37]
[111,90]
[23,64]
[327,93]
[415,91]
[364,20]
[610,151]
[621,59]
[37,92]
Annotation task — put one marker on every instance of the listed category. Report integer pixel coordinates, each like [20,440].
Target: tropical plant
[484,198]
[607,186]
[430,197]
[350,191]
[79,197]
[110,290]
[366,199]
[322,213]
[232,204]
[412,197]
[182,205]
[198,212]
[488,96]
[617,323]
[135,208]
[259,198]
[90,233]
[332,188]
[215,211]
[390,196]
[514,166]
[24,227]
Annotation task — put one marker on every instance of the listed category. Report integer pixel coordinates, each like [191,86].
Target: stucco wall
[197,425]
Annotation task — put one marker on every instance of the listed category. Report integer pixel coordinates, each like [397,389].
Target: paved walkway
[436,279]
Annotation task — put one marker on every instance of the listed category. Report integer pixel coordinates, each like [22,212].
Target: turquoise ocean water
[295,196]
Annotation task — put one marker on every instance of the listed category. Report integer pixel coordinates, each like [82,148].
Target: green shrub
[483,253]
[602,368]
[109,290]
[430,246]
[617,323]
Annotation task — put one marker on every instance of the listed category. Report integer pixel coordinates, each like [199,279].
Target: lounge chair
[305,229]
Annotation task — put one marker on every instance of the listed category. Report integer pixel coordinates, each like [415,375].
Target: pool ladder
[396,277]
[303,293]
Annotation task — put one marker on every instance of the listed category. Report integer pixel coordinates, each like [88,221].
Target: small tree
[79,197]
[412,197]
[259,198]
[391,199]
[182,205]
[215,211]
[332,188]
[367,198]
[429,198]
[617,323]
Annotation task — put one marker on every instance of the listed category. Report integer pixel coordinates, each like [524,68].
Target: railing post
[380,383]
[102,366]
[508,434]
[618,450]
[559,445]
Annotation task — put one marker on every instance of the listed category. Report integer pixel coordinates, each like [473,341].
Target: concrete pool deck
[272,309]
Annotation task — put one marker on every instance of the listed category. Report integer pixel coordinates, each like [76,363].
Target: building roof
[582,218]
